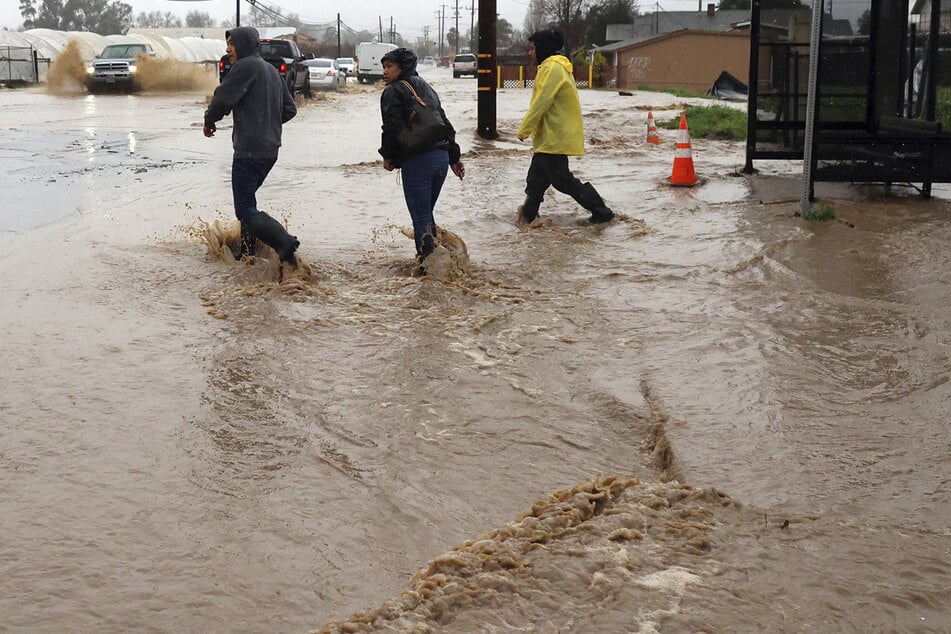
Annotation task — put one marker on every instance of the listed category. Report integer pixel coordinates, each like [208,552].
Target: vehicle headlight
[90,69]
[132,68]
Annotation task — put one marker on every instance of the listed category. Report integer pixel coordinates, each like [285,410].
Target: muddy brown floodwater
[709,415]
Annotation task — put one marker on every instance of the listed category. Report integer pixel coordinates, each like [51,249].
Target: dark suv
[286,58]
[464,64]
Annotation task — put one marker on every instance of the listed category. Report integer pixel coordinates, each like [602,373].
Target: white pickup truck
[115,67]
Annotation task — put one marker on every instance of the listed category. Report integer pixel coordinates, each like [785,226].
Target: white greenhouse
[25,56]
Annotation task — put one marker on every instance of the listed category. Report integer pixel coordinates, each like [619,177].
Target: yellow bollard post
[521,77]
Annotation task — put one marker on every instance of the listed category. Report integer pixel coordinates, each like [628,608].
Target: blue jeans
[247,176]
[423,177]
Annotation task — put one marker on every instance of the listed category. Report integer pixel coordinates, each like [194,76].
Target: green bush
[580,58]
[711,122]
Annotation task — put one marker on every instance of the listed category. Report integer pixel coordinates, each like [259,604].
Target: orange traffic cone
[652,129]
[683,174]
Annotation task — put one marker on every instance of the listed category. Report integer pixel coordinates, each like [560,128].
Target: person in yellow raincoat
[553,121]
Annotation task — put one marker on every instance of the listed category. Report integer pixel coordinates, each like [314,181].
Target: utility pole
[457,26]
[472,24]
[442,26]
[487,71]
[338,35]
[381,27]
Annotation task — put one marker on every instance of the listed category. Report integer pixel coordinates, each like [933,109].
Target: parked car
[348,65]
[326,74]
[285,57]
[464,64]
[115,67]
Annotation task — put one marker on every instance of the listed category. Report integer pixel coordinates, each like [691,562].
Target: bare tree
[198,20]
[567,16]
[605,12]
[535,17]
[157,20]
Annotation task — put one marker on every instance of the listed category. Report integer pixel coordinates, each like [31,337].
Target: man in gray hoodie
[260,102]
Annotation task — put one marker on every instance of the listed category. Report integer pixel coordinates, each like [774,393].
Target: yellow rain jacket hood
[553,119]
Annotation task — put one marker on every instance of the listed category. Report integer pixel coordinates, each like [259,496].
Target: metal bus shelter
[880,108]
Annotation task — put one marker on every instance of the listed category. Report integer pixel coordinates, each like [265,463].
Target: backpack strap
[412,90]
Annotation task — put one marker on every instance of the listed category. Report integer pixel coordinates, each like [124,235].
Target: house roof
[660,22]
[627,44]
[649,26]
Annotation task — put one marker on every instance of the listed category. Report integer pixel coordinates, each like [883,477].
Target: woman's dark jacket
[394,106]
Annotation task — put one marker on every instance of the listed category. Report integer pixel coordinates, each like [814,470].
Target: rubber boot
[528,212]
[272,233]
[591,200]
[249,241]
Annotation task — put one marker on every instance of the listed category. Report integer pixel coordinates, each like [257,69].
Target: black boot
[249,241]
[591,200]
[273,234]
[426,245]
[528,212]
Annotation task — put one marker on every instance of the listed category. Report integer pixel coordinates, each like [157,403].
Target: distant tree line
[583,23]
[108,17]
[98,16]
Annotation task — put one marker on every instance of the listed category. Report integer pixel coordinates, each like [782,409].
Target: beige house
[687,59]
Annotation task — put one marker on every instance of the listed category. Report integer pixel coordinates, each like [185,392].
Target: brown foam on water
[611,538]
[170,75]
[635,226]
[223,240]
[67,74]
[448,263]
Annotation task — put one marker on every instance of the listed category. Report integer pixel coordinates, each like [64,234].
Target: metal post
[237,13]
[930,87]
[752,87]
[910,94]
[811,106]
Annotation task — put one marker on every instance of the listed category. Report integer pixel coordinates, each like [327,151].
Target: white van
[369,68]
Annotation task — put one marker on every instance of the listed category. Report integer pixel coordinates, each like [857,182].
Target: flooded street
[708,415]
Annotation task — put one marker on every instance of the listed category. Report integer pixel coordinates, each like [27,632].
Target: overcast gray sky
[410,17]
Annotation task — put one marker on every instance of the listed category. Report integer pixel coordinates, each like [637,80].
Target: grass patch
[942,111]
[677,92]
[711,122]
[822,212]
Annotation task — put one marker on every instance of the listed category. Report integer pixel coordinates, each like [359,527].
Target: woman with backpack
[418,139]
